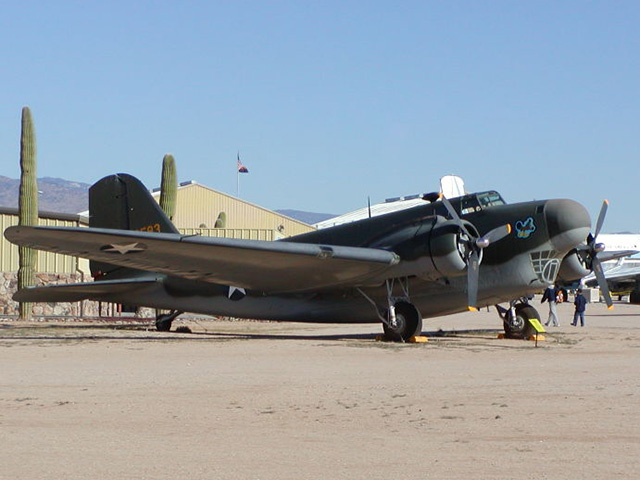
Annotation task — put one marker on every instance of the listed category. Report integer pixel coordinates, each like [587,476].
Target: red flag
[241,167]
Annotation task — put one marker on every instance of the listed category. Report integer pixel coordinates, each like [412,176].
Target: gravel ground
[266,400]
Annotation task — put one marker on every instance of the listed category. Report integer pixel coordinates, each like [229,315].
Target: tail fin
[122,202]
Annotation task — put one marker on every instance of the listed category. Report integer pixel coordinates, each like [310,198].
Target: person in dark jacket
[551,295]
[581,306]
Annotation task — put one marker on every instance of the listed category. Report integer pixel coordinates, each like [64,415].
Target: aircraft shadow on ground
[29,333]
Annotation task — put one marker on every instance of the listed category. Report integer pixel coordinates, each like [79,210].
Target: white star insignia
[236,293]
[123,249]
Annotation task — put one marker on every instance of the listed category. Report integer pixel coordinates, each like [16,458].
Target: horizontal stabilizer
[74,292]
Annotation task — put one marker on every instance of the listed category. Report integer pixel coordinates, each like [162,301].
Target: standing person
[551,295]
[581,305]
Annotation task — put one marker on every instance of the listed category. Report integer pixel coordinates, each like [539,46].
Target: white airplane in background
[451,186]
[621,272]
[617,245]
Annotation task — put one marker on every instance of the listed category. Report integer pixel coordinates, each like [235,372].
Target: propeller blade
[603,212]
[591,248]
[472,280]
[454,215]
[476,245]
[602,281]
[494,235]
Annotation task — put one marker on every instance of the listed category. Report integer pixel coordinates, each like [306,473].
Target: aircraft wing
[619,277]
[608,256]
[271,267]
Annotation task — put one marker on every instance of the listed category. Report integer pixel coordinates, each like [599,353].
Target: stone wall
[86,308]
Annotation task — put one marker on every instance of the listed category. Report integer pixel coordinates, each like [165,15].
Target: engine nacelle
[435,250]
[572,268]
[448,250]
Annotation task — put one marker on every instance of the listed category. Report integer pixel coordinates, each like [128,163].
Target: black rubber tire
[409,323]
[163,324]
[634,297]
[520,327]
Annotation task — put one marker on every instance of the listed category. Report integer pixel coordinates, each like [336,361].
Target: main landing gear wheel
[164,321]
[518,326]
[408,323]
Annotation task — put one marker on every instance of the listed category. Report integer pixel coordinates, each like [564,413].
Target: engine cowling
[449,249]
[572,268]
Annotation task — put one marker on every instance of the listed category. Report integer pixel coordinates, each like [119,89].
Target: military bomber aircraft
[443,257]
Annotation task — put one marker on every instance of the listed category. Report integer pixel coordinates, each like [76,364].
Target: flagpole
[239,169]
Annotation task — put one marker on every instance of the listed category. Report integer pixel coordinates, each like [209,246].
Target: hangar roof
[69,217]
[201,205]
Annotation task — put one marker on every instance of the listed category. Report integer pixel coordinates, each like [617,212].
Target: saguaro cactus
[27,204]
[169,186]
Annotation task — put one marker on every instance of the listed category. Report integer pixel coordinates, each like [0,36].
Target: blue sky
[331,102]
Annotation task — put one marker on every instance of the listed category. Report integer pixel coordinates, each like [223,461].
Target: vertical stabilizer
[122,202]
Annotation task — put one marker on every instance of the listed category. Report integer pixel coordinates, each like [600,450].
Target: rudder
[122,202]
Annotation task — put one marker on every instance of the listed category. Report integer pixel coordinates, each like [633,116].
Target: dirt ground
[263,400]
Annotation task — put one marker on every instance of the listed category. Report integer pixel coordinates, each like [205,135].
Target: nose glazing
[568,223]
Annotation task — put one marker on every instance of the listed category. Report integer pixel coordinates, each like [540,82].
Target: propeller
[472,250]
[590,252]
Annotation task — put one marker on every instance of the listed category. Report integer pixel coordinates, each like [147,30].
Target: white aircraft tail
[452,186]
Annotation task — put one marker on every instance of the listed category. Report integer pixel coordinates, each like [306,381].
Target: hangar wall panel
[8,251]
[241,233]
[199,205]
[47,262]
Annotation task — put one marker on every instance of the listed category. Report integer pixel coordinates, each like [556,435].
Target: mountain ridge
[56,194]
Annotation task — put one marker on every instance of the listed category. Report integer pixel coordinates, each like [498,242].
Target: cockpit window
[489,199]
[480,201]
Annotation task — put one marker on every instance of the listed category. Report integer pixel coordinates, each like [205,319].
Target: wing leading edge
[271,267]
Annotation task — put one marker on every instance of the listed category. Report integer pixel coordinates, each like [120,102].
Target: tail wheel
[519,326]
[408,323]
[164,321]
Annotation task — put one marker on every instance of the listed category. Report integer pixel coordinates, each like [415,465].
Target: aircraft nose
[568,223]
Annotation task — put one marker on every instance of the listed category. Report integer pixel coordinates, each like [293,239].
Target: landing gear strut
[401,320]
[516,319]
[164,320]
